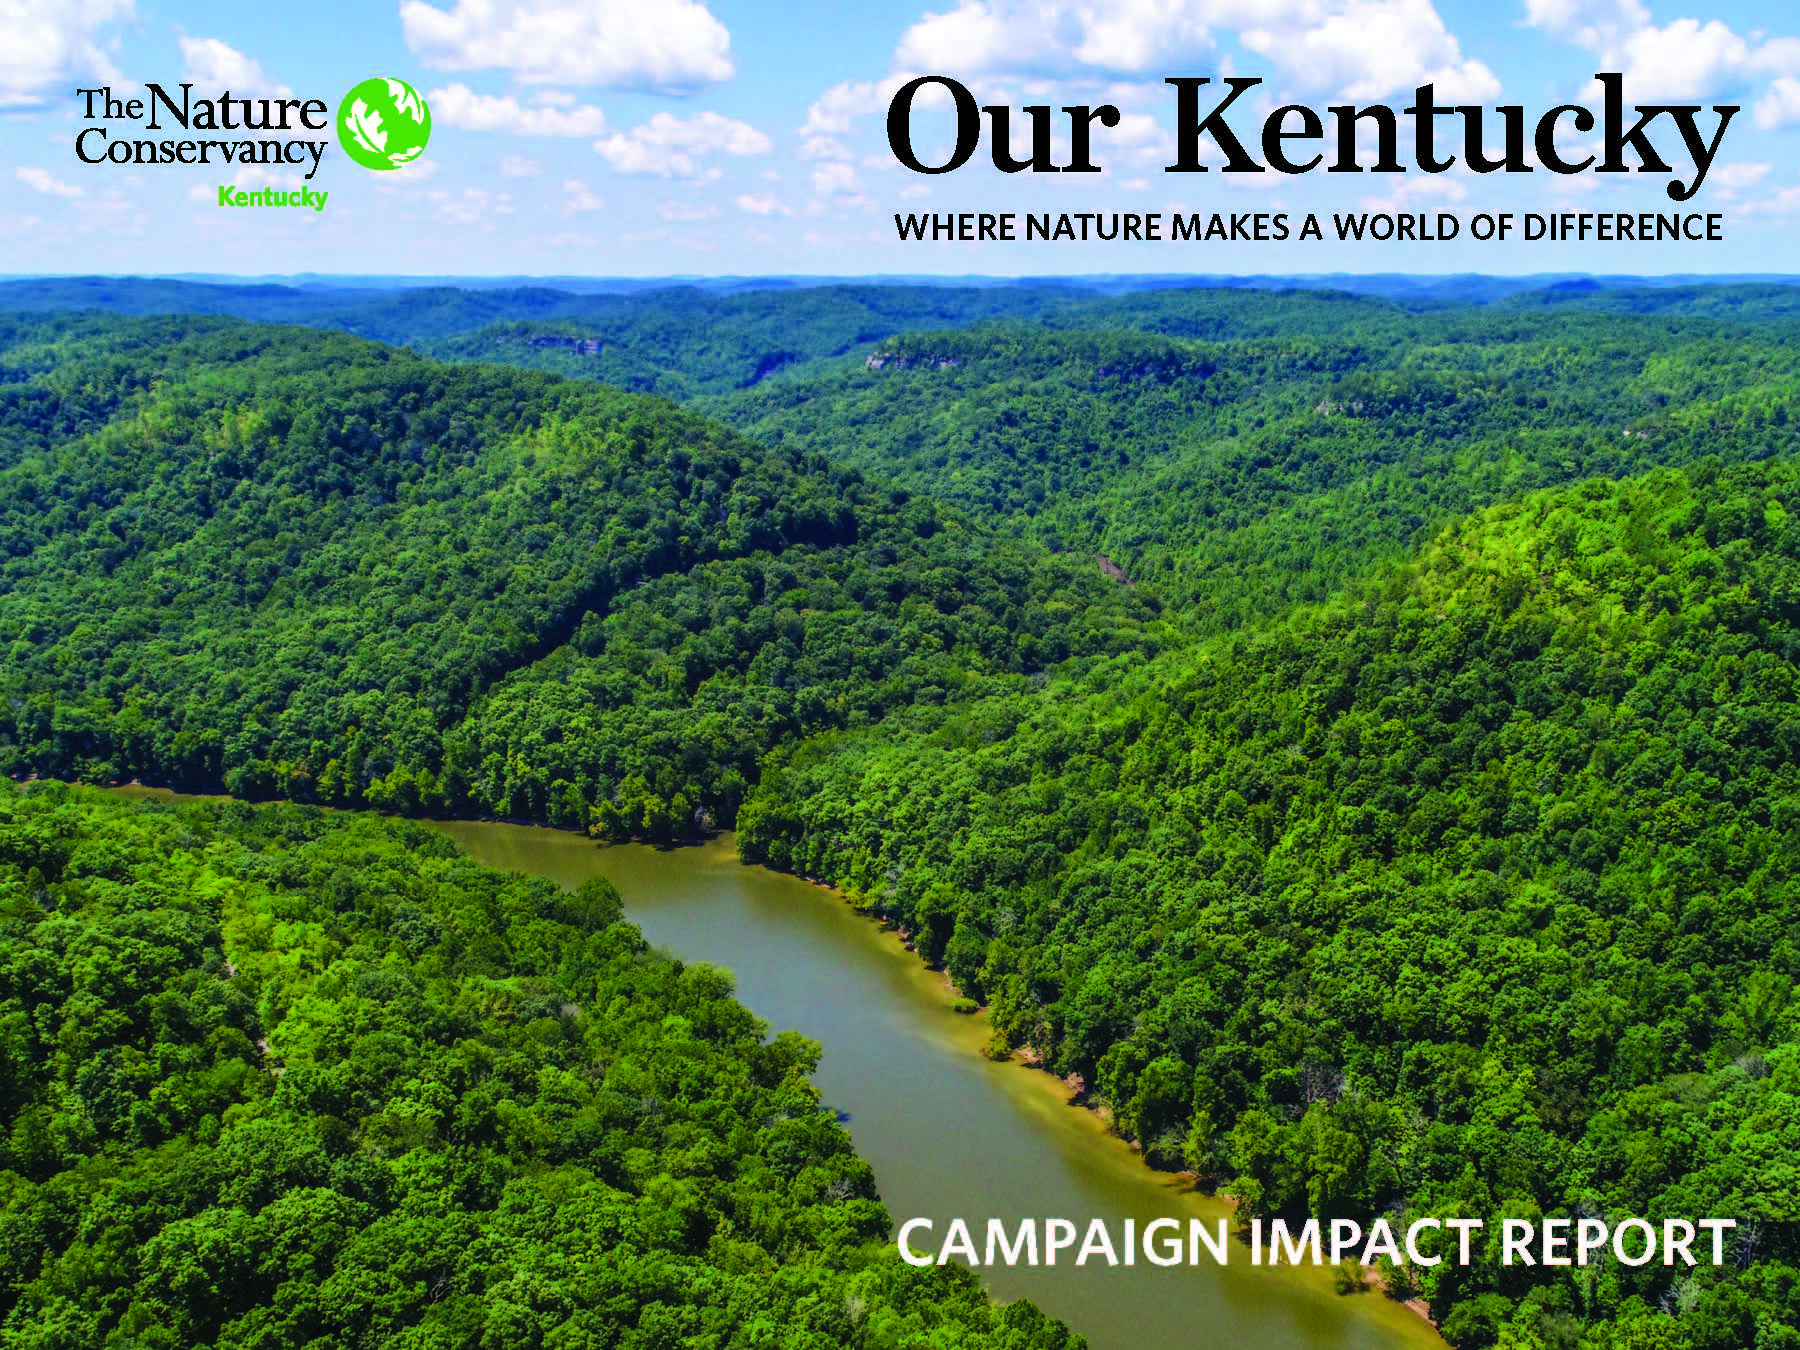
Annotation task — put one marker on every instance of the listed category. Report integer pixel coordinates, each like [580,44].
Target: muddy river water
[951,1134]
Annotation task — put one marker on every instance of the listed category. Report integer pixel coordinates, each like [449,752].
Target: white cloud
[48,47]
[1360,49]
[835,177]
[1414,193]
[1599,25]
[1141,138]
[1784,202]
[1779,56]
[674,146]
[39,180]
[1735,177]
[407,177]
[470,206]
[833,111]
[1685,60]
[215,67]
[763,206]
[1369,49]
[1781,106]
[518,166]
[618,44]
[580,198]
[686,211]
[982,36]
[458,106]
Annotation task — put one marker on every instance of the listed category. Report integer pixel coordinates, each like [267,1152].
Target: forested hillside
[297,564]
[1470,895]
[1244,453]
[281,1078]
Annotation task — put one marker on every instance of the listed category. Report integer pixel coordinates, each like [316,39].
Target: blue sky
[623,138]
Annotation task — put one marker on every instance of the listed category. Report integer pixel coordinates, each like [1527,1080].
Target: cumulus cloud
[763,206]
[1731,182]
[39,180]
[619,44]
[1362,49]
[1733,177]
[1141,138]
[1368,49]
[1780,107]
[215,66]
[675,147]
[686,211]
[469,206]
[47,47]
[579,197]
[407,178]
[458,106]
[1599,25]
[1415,194]
[982,36]
[832,115]
[51,45]
[832,112]
[518,166]
[1784,202]
[835,177]
[1685,60]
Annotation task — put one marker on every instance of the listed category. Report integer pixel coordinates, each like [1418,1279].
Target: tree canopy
[276,1077]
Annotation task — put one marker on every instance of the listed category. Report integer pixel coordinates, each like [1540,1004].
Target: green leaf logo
[383,123]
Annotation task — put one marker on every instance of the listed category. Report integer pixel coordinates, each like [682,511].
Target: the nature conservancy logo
[257,122]
[382,124]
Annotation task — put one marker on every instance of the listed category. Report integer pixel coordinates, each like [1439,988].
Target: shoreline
[964,1033]
[1066,1096]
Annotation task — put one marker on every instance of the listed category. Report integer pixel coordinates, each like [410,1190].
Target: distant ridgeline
[1358,740]
[281,1078]
[1245,452]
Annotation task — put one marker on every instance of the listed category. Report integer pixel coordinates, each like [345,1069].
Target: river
[948,1132]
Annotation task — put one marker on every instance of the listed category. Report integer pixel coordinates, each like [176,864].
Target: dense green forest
[275,1078]
[1470,895]
[297,564]
[1355,737]
[1244,452]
